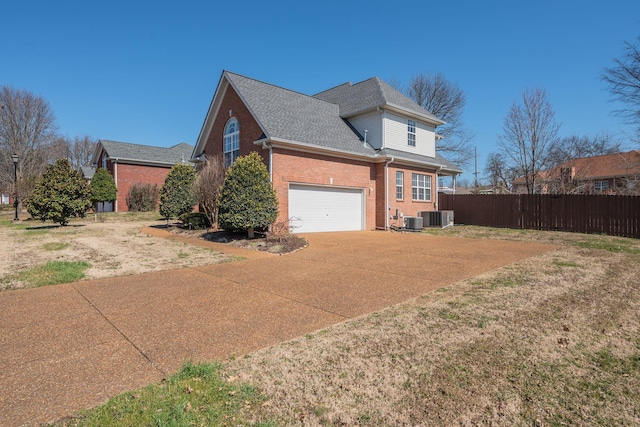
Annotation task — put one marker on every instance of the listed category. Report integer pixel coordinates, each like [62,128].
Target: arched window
[104,160]
[231,141]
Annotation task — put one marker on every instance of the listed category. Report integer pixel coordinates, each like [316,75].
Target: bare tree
[208,186]
[445,100]
[529,133]
[623,80]
[27,128]
[58,149]
[499,173]
[78,150]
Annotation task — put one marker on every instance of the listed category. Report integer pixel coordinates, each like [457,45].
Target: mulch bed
[272,243]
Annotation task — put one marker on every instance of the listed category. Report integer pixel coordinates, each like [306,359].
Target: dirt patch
[112,244]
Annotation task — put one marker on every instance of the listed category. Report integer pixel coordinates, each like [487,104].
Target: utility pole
[475,174]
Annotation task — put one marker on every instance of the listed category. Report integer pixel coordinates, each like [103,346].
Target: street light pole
[14,157]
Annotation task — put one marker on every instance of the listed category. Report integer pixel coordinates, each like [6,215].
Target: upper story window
[231,141]
[399,185]
[104,160]
[411,133]
[421,187]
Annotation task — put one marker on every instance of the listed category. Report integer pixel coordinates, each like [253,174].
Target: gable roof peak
[235,75]
[371,94]
[287,115]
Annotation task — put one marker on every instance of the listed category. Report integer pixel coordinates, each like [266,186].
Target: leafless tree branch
[208,186]
[445,100]
[623,80]
[529,133]
[27,128]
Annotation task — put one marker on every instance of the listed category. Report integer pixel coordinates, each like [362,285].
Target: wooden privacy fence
[596,214]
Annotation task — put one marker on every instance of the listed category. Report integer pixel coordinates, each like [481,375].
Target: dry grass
[111,244]
[553,340]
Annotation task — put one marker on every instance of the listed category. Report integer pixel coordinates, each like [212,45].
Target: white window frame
[420,187]
[399,185]
[411,133]
[231,141]
[104,160]
[600,186]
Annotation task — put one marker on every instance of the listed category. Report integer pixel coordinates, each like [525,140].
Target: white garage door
[314,208]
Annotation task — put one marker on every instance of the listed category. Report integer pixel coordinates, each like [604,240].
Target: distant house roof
[607,166]
[88,172]
[616,165]
[144,154]
[321,120]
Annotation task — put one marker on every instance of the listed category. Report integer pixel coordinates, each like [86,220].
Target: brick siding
[407,206]
[128,175]
[232,106]
[290,166]
[307,168]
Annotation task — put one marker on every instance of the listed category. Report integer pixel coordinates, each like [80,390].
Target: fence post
[520,205]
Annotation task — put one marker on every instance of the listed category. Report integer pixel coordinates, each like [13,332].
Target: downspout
[435,205]
[115,178]
[386,192]
[264,147]
[386,171]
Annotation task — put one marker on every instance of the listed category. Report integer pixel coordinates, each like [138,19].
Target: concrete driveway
[68,347]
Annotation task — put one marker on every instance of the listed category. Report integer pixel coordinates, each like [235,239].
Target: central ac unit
[413,222]
[437,218]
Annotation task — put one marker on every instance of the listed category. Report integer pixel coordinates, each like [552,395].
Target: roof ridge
[277,86]
[620,153]
[332,88]
[143,145]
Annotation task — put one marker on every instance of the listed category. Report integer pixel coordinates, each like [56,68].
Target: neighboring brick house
[617,173]
[355,157]
[133,163]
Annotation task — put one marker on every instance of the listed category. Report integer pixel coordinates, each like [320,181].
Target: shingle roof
[598,167]
[609,165]
[320,120]
[147,153]
[370,94]
[293,116]
[88,171]
[438,160]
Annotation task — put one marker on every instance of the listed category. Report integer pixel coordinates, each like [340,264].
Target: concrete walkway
[68,347]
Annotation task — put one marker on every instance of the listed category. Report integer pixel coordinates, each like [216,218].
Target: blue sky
[145,71]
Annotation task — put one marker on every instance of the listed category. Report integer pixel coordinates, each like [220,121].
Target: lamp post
[14,157]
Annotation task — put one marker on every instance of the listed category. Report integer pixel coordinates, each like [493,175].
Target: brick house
[136,164]
[355,157]
[617,173]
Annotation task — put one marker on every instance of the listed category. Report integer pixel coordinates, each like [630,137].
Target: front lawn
[33,253]
[551,340]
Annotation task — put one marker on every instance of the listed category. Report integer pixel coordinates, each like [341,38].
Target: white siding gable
[395,135]
[372,123]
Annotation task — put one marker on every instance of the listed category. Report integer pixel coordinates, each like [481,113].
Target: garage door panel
[313,208]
